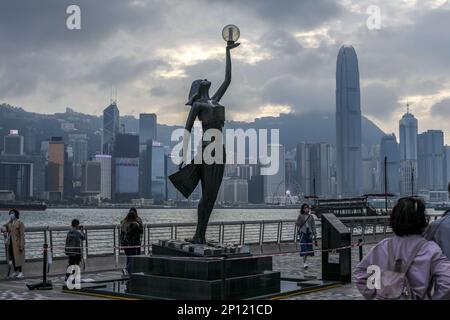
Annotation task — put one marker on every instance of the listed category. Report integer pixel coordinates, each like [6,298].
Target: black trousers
[131,252]
[73,261]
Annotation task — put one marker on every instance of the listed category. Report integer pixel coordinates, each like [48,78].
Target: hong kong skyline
[284,65]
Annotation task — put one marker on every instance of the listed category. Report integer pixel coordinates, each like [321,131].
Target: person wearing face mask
[15,230]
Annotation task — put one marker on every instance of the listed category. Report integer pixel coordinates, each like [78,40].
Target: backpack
[73,244]
[394,282]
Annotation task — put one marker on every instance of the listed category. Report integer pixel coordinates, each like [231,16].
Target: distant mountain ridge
[294,128]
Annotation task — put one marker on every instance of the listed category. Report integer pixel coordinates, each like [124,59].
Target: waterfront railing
[103,240]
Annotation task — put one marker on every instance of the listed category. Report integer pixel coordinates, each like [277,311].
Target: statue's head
[196,88]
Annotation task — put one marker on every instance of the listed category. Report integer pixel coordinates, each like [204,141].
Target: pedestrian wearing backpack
[74,244]
[439,231]
[409,266]
[306,230]
[15,233]
[131,229]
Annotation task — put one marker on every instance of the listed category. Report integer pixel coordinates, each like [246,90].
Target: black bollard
[44,285]
[360,249]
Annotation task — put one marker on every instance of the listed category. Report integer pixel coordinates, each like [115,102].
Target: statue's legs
[211,178]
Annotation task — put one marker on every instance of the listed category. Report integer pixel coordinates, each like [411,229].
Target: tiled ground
[290,265]
[17,290]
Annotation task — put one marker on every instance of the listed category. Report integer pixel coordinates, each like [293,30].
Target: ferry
[366,205]
[23,206]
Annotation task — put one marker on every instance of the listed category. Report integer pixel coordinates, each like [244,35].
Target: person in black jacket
[131,229]
[74,244]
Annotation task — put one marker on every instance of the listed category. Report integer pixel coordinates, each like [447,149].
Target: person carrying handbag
[306,230]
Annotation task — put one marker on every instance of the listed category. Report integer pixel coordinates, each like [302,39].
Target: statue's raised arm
[223,88]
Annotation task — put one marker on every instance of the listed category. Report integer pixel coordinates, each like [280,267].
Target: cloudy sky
[152,50]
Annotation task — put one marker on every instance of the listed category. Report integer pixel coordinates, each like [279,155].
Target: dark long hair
[302,209]
[194,92]
[408,217]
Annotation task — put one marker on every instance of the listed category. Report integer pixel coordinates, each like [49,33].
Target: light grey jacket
[305,222]
[439,232]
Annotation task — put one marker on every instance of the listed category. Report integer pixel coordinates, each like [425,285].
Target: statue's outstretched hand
[232,46]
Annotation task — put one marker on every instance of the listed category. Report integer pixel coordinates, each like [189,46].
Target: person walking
[306,230]
[409,267]
[439,231]
[15,235]
[131,229]
[74,244]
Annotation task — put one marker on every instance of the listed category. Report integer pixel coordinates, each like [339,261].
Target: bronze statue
[212,116]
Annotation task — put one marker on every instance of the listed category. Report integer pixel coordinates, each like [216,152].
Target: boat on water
[23,206]
[366,205]
[442,207]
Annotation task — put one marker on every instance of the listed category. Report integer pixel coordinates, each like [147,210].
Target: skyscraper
[314,168]
[147,134]
[389,149]
[408,154]
[105,175]
[91,178]
[126,167]
[158,172]
[430,160]
[348,123]
[13,143]
[79,145]
[446,165]
[274,185]
[147,127]
[56,157]
[110,127]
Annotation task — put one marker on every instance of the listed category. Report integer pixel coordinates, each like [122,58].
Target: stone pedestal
[179,270]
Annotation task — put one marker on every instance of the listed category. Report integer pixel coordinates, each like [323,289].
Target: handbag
[186,179]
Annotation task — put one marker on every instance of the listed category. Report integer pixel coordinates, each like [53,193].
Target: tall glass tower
[348,123]
[408,154]
[110,127]
[389,150]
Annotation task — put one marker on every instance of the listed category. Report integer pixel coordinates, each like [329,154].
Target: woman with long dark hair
[212,116]
[306,230]
[131,229]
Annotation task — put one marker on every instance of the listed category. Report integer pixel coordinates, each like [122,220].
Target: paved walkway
[290,265]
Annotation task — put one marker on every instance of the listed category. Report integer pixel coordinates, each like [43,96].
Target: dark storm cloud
[379,101]
[35,25]
[158,91]
[294,14]
[441,109]
[121,41]
[119,70]
[280,43]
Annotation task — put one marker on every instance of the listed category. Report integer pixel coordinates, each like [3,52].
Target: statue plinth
[191,275]
[181,248]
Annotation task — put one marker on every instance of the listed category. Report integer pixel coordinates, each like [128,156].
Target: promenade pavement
[290,265]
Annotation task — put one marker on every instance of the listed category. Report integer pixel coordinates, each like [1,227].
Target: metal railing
[103,240]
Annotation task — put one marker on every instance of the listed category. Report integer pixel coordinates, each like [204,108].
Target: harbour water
[63,217]
[88,216]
